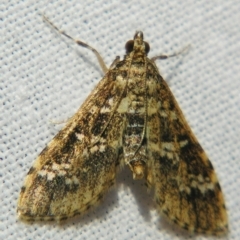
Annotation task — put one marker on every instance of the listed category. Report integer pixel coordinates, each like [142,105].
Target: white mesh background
[45,77]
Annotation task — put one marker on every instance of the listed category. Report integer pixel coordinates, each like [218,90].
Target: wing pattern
[186,187]
[79,165]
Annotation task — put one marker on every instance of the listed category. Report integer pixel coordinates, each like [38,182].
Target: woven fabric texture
[45,77]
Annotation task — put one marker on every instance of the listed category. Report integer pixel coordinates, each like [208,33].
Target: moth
[130,118]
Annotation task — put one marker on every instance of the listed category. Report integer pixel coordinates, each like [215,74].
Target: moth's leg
[80,43]
[58,122]
[116,60]
[165,56]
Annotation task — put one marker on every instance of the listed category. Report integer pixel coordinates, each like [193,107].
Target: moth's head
[137,44]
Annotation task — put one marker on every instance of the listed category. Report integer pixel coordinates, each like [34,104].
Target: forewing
[79,165]
[186,186]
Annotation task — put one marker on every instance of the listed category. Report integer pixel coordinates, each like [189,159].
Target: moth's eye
[147,47]
[129,46]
